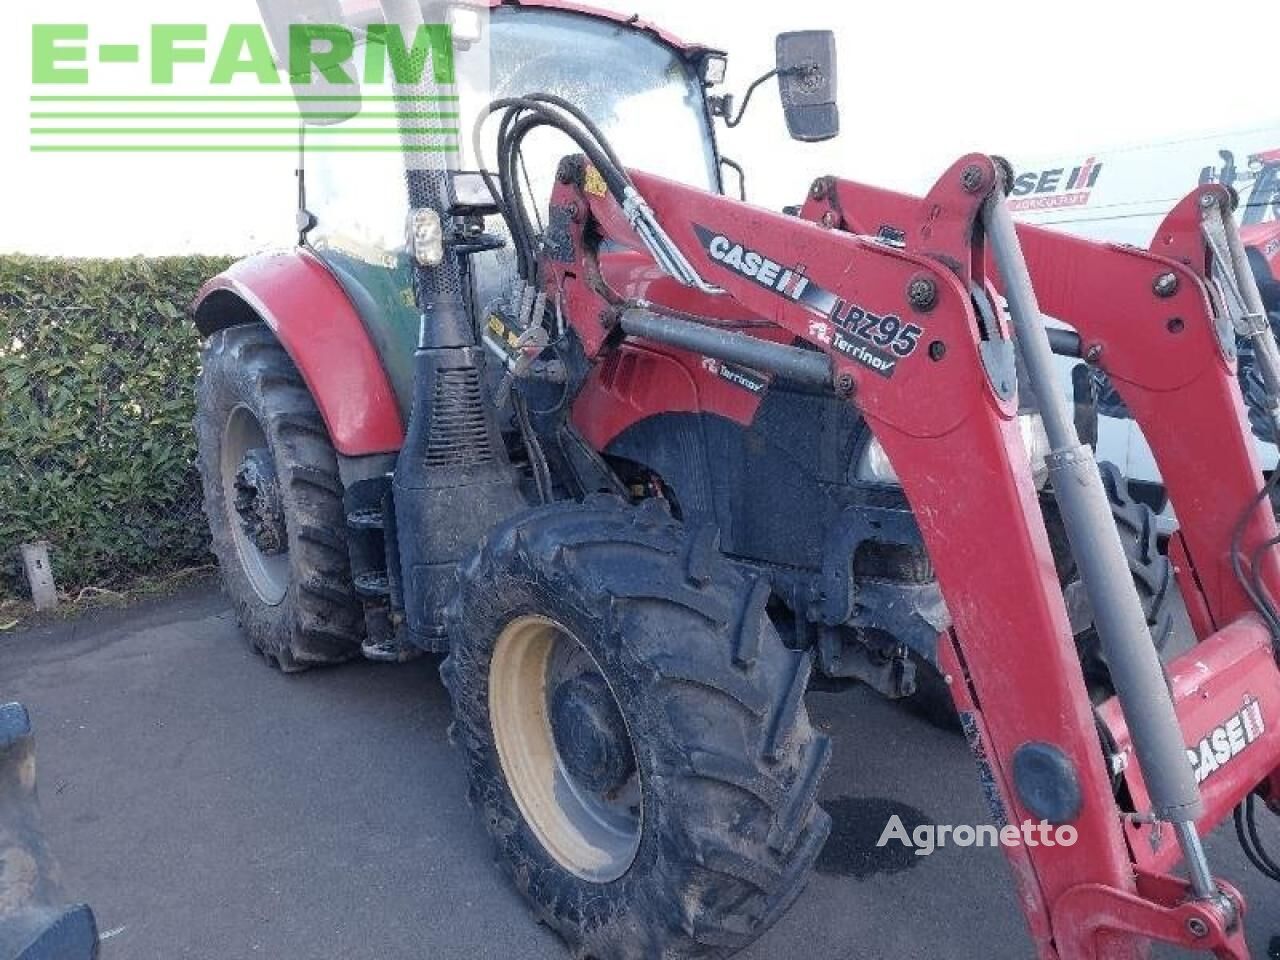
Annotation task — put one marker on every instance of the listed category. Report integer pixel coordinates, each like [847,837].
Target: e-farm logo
[250,98]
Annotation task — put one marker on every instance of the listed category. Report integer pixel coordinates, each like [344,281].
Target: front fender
[297,297]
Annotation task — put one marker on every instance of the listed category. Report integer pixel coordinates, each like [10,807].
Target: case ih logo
[877,342]
[1060,187]
[754,266]
[1224,743]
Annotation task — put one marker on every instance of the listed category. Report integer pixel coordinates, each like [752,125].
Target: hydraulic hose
[543,110]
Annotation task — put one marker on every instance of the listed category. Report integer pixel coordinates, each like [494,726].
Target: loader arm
[1155,322]
[934,379]
[1166,353]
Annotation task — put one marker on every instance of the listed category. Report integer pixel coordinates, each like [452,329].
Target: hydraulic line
[659,244]
[1251,843]
[547,111]
[1248,578]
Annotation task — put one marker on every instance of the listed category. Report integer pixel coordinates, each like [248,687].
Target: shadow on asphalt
[208,807]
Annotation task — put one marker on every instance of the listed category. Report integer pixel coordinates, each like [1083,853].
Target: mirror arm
[732,122]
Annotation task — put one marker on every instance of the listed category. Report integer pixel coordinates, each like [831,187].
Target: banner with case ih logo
[1056,187]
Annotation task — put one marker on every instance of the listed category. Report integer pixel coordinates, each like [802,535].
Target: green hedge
[98,362]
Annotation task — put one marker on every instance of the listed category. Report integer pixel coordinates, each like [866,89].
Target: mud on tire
[247,376]
[728,764]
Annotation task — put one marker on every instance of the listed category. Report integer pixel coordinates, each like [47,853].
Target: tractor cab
[646,90]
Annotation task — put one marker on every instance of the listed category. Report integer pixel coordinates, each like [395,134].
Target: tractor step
[374,585]
[366,518]
[385,640]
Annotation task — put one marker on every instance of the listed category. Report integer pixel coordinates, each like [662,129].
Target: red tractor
[645,462]
[1259,187]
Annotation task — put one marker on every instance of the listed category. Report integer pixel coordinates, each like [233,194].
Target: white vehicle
[1121,196]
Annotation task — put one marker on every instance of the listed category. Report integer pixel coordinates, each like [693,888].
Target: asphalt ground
[208,807]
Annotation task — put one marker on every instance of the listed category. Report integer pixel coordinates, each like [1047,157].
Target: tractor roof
[356,10]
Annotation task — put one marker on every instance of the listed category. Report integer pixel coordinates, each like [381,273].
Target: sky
[920,84]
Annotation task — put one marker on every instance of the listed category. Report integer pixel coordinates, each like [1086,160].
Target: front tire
[683,723]
[273,499]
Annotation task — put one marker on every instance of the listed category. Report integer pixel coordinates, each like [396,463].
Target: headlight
[715,67]
[426,237]
[875,467]
[466,22]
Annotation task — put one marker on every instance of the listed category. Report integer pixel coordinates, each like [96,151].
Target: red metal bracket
[1095,921]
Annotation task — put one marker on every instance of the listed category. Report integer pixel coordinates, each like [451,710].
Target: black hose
[1255,559]
[614,177]
[543,111]
[1251,843]
[537,457]
[581,116]
[1250,582]
[511,181]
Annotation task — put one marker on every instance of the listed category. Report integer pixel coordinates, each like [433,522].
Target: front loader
[645,462]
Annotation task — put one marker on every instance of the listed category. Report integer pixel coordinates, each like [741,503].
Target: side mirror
[807,81]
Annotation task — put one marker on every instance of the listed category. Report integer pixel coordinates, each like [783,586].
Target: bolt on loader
[644,462]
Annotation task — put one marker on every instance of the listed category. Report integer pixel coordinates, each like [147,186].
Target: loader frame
[884,285]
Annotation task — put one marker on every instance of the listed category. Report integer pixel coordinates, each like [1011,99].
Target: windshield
[645,98]
[647,101]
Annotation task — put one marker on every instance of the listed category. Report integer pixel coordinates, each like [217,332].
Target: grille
[459,433]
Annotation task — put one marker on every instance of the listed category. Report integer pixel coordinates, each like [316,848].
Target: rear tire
[274,502]
[1152,575]
[726,765]
[1151,570]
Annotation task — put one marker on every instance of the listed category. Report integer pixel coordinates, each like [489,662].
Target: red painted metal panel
[306,308]
[1227,693]
[675,381]
[639,382]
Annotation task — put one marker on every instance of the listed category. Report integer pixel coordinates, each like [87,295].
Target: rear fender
[305,307]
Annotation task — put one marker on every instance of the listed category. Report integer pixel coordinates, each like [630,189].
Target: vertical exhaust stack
[453,481]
